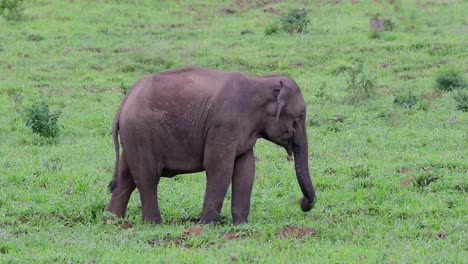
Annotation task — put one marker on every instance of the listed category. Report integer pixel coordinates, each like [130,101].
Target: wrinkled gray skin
[195,119]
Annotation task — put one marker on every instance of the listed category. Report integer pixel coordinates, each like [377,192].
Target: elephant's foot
[239,220]
[209,217]
[109,218]
[154,220]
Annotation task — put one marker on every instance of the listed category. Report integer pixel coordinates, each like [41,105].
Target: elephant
[194,119]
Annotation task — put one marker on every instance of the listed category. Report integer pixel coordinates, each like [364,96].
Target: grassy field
[390,175]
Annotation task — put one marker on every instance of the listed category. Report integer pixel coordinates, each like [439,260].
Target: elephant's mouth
[289,147]
[287,143]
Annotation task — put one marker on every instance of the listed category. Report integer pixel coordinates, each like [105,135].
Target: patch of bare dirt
[442,235]
[243,5]
[294,231]
[232,235]
[126,49]
[177,25]
[180,240]
[330,171]
[406,182]
[94,49]
[193,231]
[272,10]
[405,170]
[126,225]
[228,11]
[98,68]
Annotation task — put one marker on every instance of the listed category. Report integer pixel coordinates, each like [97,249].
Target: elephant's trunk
[301,161]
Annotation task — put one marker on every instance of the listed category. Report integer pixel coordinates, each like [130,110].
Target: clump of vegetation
[359,171]
[35,37]
[377,25]
[272,29]
[406,100]
[450,79]
[462,101]
[123,88]
[321,93]
[11,9]
[359,85]
[41,120]
[295,21]
[388,25]
[374,34]
[425,179]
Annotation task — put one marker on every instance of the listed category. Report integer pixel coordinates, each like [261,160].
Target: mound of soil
[294,231]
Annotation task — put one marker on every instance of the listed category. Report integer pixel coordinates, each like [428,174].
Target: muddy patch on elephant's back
[294,231]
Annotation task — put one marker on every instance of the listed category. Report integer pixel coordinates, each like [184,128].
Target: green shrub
[11,9]
[424,179]
[41,120]
[124,88]
[359,171]
[462,101]
[374,34]
[388,25]
[450,79]
[272,29]
[406,101]
[359,85]
[295,21]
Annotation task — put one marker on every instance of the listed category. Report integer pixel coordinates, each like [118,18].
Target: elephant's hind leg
[122,190]
[146,171]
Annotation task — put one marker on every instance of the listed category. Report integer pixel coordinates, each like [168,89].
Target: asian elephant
[195,119]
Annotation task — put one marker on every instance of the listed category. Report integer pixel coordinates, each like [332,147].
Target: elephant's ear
[282,97]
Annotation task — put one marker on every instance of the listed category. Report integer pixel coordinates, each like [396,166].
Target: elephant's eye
[301,116]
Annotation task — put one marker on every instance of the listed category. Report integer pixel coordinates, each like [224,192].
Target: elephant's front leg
[219,163]
[242,182]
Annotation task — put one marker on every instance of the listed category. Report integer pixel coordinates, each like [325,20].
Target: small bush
[448,80]
[124,88]
[462,101]
[272,29]
[406,100]
[35,37]
[425,179]
[295,21]
[321,93]
[359,171]
[388,25]
[41,120]
[360,86]
[11,9]
[374,34]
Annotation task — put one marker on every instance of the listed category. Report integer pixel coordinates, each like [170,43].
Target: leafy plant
[41,120]
[123,88]
[359,171]
[11,9]
[388,25]
[272,29]
[360,86]
[462,101]
[450,79]
[406,100]
[295,21]
[425,179]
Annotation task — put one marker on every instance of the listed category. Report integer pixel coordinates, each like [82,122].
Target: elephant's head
[286,126]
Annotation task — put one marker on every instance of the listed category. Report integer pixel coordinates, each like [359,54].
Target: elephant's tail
[115,135]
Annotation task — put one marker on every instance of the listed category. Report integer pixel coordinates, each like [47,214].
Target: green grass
[391,181]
